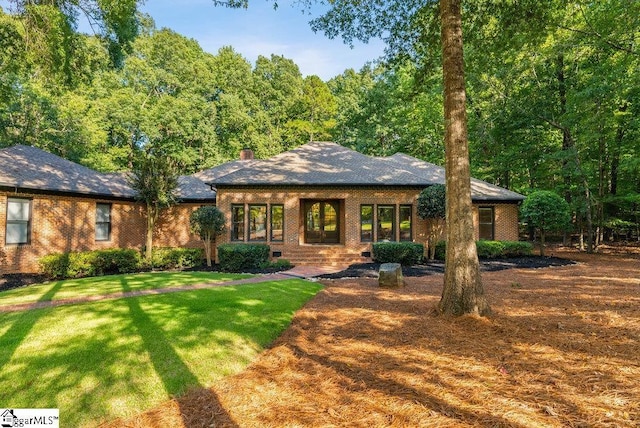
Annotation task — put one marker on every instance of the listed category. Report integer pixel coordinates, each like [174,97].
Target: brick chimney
[246,154]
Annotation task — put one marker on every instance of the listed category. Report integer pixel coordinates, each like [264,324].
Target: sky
[261,30]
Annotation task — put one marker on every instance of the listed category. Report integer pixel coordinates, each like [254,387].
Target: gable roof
[30,168]
[329,164]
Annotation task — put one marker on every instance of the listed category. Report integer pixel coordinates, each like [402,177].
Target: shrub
[117,260]
[405,253]
[492,249]
[89,263]
[517,248]
[55,266]
[441,250]
[81,264]
[236,257]
[489,249]
[176,258]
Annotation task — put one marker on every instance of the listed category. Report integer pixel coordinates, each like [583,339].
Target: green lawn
[99,361]
[109,284]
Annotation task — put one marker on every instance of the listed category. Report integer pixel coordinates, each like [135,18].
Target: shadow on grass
[20,329]
[176,376]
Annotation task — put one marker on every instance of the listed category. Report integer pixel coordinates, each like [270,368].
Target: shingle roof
[31,168]
[329,164]
[28,167]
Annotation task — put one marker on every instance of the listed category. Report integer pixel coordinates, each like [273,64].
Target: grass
[73,288]
[100,361]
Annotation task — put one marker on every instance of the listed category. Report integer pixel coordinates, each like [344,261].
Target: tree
[154,177]
[546,211]
[432,206]
[207,222]
[463,291]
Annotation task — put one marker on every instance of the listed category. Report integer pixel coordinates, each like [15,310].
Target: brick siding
[350,247]
[64,223]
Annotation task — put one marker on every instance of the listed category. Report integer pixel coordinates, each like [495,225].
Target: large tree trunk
[463,292]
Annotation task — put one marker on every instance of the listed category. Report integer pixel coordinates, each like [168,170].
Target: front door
[322,222]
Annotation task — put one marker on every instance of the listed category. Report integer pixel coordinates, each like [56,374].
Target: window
[257,222]
[386,223]
[366,223]
[405,222]
[277,222]
[486,223]
[237,222]
[18,221]
[103,222]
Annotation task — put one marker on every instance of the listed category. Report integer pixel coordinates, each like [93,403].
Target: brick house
[51,205]
[320,202]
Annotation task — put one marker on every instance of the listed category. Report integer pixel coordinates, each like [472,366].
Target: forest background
[556,109]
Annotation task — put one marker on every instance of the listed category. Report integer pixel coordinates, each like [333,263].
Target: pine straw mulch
[562,349]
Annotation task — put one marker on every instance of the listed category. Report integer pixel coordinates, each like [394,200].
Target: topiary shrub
[238,257]
[177,258]
[405,253]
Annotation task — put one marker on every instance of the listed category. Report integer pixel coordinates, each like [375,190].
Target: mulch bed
[560,350]
[370,270]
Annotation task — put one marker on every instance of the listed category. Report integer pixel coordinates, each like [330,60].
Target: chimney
[246,154]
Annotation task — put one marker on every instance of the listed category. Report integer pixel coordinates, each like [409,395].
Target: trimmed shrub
[89,263]
[177,258]
[54,266]
[117,260]
[236,257]
[492,249]
[405,253]
[517,248]
[489,249]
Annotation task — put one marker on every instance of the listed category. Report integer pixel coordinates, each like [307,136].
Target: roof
[313,164]
[27,167]
[329,164]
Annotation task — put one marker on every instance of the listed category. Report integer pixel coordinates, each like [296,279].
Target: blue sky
[261,30]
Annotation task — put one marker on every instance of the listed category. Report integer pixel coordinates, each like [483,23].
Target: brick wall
[64,223]
[294,247]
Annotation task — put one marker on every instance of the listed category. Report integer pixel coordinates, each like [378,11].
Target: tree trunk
[151,221]
[542,243]
[207,250]
[463,292]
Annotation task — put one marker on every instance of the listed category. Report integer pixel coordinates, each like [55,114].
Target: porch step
[332,256]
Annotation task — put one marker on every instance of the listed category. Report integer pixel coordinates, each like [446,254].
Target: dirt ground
[562,349]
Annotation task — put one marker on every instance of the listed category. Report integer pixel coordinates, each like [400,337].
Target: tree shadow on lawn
[175,374]
[21,327]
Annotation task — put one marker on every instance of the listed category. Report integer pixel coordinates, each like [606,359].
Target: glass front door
[322,222]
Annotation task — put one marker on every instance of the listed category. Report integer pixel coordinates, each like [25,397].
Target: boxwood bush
[89,263]
[405,253]
[238,257]
[177,258]
[493,249]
